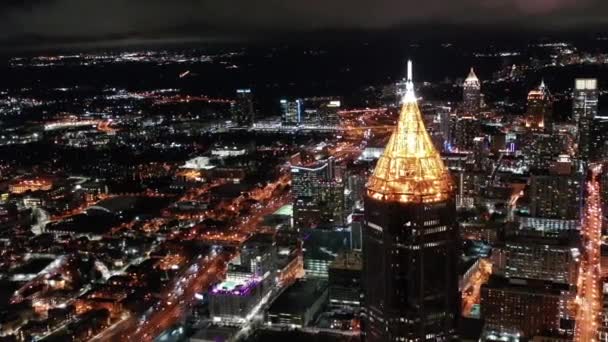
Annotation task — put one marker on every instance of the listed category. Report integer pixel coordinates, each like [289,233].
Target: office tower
[410,239]
[468,129]
[242,110]
[540,108]
[471,95]
[436,116]
[468,186]
[584,110]
[444,113]
[555,196]
[345,280]
[318,195]
[321,245]
[319,111]
[325,207]
[544,255]
[527,307]
[598,145]
[291,112]
[329,113]
[541,150]
[585,98]
[304,180]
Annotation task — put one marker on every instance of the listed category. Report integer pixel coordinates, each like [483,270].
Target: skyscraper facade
[410,238]
[468,128]
[555,196]
[318,195]
[584,110]
[471,95]
[527,307]
[598,145]
[540,108]
[291,112]
[242,110]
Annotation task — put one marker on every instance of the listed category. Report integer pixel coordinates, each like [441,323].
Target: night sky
[99,19]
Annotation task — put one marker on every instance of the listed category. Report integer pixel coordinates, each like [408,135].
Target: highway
[588,299]
[180,296]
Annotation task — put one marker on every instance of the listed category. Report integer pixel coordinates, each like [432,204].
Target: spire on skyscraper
[409,95]
[410,170]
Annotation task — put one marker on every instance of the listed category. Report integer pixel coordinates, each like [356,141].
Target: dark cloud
[101,18]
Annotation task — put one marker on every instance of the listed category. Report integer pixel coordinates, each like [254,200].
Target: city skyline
[291,192]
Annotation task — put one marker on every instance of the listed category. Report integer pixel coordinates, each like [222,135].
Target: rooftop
[299,296]
[233,287]
[348,261]
[530,286]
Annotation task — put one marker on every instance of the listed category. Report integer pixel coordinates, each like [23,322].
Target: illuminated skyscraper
[598,145]
[540,108]
[410,238]
[319,111]
[471,94]
[318,196]
[291,112]
[584,110]
[242,110]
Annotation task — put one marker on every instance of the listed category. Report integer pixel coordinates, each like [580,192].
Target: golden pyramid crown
[410,170]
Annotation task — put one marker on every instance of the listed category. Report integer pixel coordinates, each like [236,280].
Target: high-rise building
[410,242]
[291,112]
[540,108]
[345,280]
[598,145]
[584,110]
[304,180]
[524,306]
[444,113]
[243,110]
[468,129]
[541,150]
[555,196]
[471,95]
[585,99]
[544,255]
[319,111]
[318,195]
[321,246]
[468,186]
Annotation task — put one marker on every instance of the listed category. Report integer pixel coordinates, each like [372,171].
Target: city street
[589,294]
